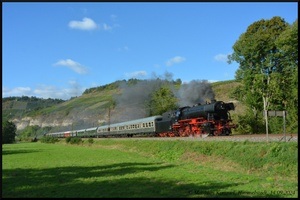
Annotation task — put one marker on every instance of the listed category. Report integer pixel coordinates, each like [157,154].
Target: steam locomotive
[208,119]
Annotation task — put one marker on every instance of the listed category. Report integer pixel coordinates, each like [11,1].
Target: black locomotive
[210,118]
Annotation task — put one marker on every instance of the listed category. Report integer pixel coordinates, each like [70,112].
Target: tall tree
[260,64]
[8,132]
[287,43]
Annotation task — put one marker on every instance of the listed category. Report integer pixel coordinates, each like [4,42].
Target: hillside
[92,108]
[222,91]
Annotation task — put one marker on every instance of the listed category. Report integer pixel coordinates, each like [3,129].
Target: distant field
[111,168]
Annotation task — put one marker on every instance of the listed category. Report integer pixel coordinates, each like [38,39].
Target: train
[209,119]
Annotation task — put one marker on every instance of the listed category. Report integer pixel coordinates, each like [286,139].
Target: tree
[29,132]
[262,65]
[162,100]
[287,43]
[8,132]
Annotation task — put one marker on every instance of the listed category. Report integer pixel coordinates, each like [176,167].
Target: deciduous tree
[264,67]
[8,132]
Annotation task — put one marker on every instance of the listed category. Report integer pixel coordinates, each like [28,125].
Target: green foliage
[68,139]
[20,106]
[107,87]
[28,132]
[74,140]
[250,123]
[287,43]
[8,132]
[268,56]
[90,141]
[162,100]
[48,139]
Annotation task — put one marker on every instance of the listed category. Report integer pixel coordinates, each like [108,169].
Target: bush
[75,140]
[49,139]
[90,141]
[249,124]
[68,139]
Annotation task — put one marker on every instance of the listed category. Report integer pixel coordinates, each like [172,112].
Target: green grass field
[127,168]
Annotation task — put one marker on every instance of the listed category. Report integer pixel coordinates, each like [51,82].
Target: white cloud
[45,91]
[212,81]
[85,24]
[136,74]
[175,60]
[75,66]
[18,91]
[48,91]
[221,57]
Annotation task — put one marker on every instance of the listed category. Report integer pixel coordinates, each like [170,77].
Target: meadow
[132,168]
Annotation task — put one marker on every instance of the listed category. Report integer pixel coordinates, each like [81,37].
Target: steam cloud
[131,103]
[195,92]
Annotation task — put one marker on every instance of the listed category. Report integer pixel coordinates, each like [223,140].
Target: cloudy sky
[57,50]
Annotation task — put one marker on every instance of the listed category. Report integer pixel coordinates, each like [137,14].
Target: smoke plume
[195,92]
[132,102]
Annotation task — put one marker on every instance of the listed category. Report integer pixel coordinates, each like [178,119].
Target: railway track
[258,138]
[237,138]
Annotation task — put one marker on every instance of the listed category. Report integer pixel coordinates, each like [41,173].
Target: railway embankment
[274,158]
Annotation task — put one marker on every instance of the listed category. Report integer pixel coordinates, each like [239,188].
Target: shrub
[75,140]
[68,139]
[90,141]
[48,139]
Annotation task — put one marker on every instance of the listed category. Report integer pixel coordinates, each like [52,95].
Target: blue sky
[57,50]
